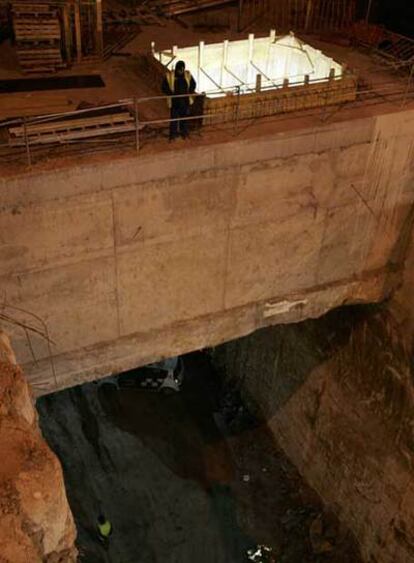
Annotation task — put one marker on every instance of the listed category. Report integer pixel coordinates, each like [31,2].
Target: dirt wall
[36,524]
[338,395]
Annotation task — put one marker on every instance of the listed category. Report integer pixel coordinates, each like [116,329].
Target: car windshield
[167,365]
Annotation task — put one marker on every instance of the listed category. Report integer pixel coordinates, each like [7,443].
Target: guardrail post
[136,125]
[26,142]
[407,90]
[236,117]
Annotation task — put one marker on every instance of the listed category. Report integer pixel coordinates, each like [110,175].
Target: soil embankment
[338,394]
[36,524]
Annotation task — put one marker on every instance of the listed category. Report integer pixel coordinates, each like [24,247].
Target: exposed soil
[183,478]
[35,521]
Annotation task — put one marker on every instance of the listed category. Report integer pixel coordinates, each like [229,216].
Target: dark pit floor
[184,478]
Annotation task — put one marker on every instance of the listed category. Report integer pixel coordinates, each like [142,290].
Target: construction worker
[104,530]
[179,82]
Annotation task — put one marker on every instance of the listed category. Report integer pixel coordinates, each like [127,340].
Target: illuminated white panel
[222,67]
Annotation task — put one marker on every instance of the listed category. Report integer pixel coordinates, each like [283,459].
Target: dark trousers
[179,127]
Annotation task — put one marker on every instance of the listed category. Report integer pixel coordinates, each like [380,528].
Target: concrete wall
[338,395]
[129,260]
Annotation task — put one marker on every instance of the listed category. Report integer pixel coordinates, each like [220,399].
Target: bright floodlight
[223,67]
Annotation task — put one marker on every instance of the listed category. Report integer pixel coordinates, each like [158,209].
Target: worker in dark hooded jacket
[179,82]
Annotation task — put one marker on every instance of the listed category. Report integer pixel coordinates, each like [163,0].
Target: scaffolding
[301,15]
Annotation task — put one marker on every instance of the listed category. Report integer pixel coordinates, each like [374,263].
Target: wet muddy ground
[185,478]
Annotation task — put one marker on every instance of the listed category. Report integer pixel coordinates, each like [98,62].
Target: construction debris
[261,554]
[71,129]
[319,542]
[300,15]
[170,8]
[390,48]
[141,16]
[38,38]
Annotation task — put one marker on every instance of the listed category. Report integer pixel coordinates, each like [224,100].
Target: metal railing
[398,95]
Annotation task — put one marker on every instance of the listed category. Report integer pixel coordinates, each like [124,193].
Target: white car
[165,376]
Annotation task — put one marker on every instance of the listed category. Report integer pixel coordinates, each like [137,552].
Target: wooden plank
[85,122]
[99,29]
[38,52]
[74,135]
[38,29]
[49,59]
[36,38]
[78,32]
[29,63]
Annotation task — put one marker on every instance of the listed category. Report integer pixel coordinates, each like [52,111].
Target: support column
[78,34]
[308,14]
[223,61]
[240,15]
[67,33]
[250,57]
[272,38]
[99,29]
[200,62]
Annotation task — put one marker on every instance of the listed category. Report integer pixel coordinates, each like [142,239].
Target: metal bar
[136,125]
[239,80]
[26,142]
[211,79]
[264,74]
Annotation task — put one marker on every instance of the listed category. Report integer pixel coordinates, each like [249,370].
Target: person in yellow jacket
[179,82]
[104,530]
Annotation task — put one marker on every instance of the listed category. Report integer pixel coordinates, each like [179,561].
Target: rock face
[403,301]
[339,396]
[36,524]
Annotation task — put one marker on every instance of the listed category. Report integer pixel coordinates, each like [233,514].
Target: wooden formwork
[280,100]
[266,102]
